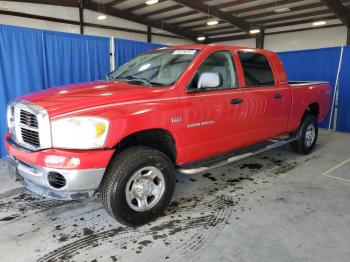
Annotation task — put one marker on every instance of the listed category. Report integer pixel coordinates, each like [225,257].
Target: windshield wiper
[140,79]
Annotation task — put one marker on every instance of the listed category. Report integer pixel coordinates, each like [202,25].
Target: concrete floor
[278,206]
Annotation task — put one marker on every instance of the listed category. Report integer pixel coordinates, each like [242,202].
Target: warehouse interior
[274,206]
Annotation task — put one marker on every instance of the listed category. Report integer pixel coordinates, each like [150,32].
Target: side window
[256,68]
[220,62]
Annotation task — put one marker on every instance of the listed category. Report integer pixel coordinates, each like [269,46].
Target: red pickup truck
[179,109]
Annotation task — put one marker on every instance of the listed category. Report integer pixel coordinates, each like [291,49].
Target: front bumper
[79,182]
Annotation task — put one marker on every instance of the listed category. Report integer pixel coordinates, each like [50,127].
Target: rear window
[256,68]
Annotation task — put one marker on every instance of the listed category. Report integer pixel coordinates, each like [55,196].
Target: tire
[128,183]
[307,136]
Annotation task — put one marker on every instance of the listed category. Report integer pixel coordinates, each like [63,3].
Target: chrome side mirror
[208,80]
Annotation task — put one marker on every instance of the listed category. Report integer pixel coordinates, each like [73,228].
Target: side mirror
[208,80]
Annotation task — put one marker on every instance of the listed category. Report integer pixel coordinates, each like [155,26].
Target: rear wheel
[138,185]
[307,136]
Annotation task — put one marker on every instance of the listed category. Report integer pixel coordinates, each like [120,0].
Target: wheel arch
[157,138]
[312,109]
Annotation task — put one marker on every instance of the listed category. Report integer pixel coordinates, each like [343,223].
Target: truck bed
[305,83]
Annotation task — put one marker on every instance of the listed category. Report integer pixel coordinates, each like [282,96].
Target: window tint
[220,62]
[256,68]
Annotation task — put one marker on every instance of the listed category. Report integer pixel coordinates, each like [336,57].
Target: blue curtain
[343,119]
[21,67]
[312,65]
[75,58]
[126,50]
[32,60]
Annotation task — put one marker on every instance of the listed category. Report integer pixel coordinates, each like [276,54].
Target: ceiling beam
[255,16]
[73,22]
[273,4]
[279,19]
[67,3]
[163,10]
[139,19]
[248,36]
[304,21]
[114,2]
[233,20]
[139,6]
[342,12]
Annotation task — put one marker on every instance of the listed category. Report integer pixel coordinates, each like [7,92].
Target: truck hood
[65,99]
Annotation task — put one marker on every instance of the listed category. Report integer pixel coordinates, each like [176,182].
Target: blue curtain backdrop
[343,119]
[126,50]
[313,65]
[32,60]
[75,58]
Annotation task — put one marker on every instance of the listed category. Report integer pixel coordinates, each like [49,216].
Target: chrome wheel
[310,135]
[145,188]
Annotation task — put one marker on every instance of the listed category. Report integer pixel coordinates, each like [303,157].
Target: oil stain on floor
[203,206]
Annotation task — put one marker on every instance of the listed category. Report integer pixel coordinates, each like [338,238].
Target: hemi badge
[176,119]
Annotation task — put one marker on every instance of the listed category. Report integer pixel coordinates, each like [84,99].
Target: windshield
[159,68]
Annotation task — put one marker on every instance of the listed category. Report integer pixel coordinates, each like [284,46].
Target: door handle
[236,101]
[277,96]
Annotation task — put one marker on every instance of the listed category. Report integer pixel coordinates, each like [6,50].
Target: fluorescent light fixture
[152,2]
[213,22]
[282,10]
[201,38]
[319,23]
[254,31]
[101,17]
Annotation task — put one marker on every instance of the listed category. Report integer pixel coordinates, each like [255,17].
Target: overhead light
[319,23]
[254,31]
[282,10]
[213,22]
[201,38]
[101,17]
[152,2]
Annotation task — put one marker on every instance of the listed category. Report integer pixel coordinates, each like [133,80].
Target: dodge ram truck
[184,109]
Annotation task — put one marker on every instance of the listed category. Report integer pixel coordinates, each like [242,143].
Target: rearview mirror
[208,80]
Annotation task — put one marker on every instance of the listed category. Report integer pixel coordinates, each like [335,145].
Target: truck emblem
[209,122]
[176,119]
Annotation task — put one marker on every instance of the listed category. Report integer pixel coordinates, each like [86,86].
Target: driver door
[212,116]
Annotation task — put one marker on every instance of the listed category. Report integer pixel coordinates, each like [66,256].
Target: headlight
[79,132]
[10,116]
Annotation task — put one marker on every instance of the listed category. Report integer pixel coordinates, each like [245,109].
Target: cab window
[256,68]
[221,64]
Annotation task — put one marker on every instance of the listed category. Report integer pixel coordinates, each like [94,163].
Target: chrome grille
[12,112]
[30,125]
[28,119]
[31,137]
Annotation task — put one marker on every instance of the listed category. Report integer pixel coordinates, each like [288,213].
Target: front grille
[28,119]
[31,137]
[30,126]
[12,112]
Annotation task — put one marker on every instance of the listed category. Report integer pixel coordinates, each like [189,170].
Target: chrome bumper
[79,184]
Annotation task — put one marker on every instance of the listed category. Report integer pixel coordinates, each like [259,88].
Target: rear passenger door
[267,104]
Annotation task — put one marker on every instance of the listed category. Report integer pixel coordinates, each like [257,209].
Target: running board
[272,143]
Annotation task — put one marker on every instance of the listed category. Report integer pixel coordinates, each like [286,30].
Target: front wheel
[138,185]
[307,136]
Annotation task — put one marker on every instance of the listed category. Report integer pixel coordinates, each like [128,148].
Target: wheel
[307,136]
[138,185]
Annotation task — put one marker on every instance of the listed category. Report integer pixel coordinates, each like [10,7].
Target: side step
[211,163]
